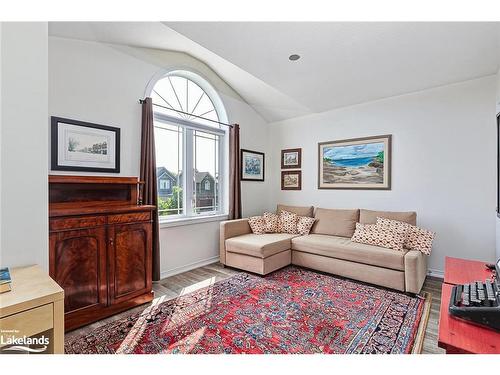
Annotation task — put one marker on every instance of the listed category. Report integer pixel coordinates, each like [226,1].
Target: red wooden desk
[455,335]
[462,271]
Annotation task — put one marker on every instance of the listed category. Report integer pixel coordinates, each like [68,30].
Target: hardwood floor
[433,286]
[200,277]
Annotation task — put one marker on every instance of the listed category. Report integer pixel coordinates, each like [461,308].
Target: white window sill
[192,220]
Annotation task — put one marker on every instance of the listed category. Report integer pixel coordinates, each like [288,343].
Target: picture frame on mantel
[84,146]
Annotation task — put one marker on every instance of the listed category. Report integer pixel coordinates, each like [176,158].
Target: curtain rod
[189,114]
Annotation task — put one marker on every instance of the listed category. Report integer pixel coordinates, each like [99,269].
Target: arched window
[186,97]
[189,144]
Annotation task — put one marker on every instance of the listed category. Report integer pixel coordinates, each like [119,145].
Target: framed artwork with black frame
[84,146]
[252,165]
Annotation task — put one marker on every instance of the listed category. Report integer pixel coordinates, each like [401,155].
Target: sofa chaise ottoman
[328,248]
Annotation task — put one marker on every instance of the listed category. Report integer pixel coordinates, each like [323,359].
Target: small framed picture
[291,180]
[252,165]
[291,158]
[83,146]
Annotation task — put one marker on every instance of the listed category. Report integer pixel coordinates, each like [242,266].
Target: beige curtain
[234,173]
[148,175]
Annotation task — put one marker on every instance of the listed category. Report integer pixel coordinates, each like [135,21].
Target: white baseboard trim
[188,267]
[436,273]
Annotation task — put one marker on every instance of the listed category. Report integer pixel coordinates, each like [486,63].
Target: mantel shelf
[69,179]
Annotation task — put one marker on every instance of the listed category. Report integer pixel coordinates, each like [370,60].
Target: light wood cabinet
[34,307]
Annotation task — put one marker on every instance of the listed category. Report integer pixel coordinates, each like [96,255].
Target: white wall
[497,221]
[102,83]
[95,83]
[443,162]
[24,154]
[1,122]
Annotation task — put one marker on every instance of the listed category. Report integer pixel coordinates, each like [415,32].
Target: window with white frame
[164,184]
[190,146]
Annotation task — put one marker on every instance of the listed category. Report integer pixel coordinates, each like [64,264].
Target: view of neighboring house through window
[206,165]
[188,149]
[169,161]
[164,183]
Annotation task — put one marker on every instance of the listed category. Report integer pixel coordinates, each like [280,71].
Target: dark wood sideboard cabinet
[100,243]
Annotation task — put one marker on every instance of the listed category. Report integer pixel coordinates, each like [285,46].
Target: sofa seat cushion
[260,245]
[344,248]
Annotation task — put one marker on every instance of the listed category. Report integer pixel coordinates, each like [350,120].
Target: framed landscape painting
[360,163]
[252,165]
[83,146]
[291,158]
[291,180]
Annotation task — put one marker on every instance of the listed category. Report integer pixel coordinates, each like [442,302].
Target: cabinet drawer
[133,217]
[77,222]
[28,323]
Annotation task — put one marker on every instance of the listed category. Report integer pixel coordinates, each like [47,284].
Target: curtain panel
[148,175]
[234,173]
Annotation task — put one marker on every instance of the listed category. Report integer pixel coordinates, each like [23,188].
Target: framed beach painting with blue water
[252,165]
[360,163]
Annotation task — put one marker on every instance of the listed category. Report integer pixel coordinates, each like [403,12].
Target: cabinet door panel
[130,260]
[78,265]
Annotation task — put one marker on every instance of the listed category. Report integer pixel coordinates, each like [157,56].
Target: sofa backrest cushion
[370,217]
[335,222]
[299,210]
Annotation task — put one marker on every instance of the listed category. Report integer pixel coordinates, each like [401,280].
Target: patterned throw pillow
[257,224]
[304,225]
[272,222]
[416,238]
[395,226]
[288,222]
[372,234]
[420,239]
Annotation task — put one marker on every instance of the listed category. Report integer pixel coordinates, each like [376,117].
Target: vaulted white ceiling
[341,63]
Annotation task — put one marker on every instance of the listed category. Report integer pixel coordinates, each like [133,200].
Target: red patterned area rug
[292,310]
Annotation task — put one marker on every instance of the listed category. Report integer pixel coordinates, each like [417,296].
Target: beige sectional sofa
[328,248]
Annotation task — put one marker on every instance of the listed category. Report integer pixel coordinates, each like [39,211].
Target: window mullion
[222,172]
[189,168]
